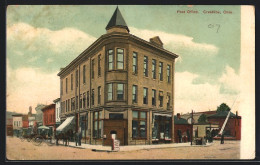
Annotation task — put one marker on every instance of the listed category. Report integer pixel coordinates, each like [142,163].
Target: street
[18,150]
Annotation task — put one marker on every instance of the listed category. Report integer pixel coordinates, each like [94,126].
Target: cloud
[29,86]
[230,81]
[177,42]
[59,41]
[202,97]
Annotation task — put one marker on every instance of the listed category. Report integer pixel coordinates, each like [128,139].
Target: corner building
[121,85]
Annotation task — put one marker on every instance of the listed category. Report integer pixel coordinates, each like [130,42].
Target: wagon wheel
[38,140]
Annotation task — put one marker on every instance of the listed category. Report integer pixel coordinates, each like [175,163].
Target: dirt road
[17,150]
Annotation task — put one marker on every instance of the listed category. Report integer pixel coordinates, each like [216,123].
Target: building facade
[120,86]
[182,129]
[49,118]
[39,114]
[17,124]
[57,111]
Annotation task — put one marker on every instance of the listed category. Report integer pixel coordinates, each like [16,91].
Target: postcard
[123,82]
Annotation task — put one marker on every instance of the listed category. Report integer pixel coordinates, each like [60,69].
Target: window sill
[115,101]
[139,138]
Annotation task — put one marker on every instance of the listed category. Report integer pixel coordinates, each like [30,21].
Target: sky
[43,39]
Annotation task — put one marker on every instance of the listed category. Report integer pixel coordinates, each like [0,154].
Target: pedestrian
[76,138]
[79,137]
[222,139]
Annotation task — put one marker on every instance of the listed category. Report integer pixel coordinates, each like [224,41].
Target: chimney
[156,41]
[236,113]
[178,115]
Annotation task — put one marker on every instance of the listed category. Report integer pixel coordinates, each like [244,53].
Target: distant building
[9,127]
[182,129]
[57,111]
[17,124]
[39,114]
[49,118]
[196,115]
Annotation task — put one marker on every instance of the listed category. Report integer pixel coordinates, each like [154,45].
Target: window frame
[145,102]
[66,85]
[161,71]
[160,99]
[135,66]
[145,66]
[134,94]
[110,62]
[93,97]
[117,91]
[108,91]
[99,65]
[84,74]
[153,97]
[92,68]
[77,77]
[71,81]
[99,95]
[117,61]
[168,73]
[98,120]
[154,68]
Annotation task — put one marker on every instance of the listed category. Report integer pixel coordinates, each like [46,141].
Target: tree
[223,107]
[202,118]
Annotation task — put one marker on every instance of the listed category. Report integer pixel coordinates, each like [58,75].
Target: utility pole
[191,127]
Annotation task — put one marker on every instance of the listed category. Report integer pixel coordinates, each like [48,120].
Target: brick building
[182,129]
[233,126]
[121,85]
[49,118]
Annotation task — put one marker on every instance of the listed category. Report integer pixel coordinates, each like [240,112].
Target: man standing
[222,139]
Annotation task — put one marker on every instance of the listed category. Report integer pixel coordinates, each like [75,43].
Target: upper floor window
[71,82]
[168,100]
[145,96]
[168,73]
[134,98]
[88,98]
[153,97]
[66,108]
[110,59]
[69,105]
[134,62]
[161,71]
[80,101]
[154,68]
[93,96]
[77,77]
[109,91]
[120,58]
[92,68]
[66,85]
[84,100]
[77,102]
[146,66]
[99,95]
[161,98]
[120,91]
[99,65]
[61,87]
[84,74]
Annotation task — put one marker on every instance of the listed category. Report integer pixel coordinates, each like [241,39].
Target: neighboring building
[49,118]
[196,115]
[39,114]
[182,129]
[118,86]
[233,126]
[9,127]
[57,111]
[17,124]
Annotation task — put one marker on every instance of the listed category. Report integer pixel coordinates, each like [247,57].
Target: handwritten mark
[215,26]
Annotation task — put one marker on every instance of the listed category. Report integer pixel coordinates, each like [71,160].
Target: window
[153,97]
[161,98]
[84,100]
[92,68]
[69,105]
[145,96]
[99,65]
[61,87]
[66,85]
[66,108]
[71,82]
[168,73]
[139,124]
[77,77]
[146,66]
[134,99]
[161,71]
[73,104]
[168,100]
[116,116]
[154,69]
[120,91]
[134,62]
[77,102]
[97,122]
[88,98]
[99,95]
[110,59]
[120,58]
[92,97]
[80,101]
[84,74]
[109,91]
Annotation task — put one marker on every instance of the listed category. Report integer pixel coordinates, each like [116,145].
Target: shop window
[134,62]
[139,124]
[161,128]
[97,122]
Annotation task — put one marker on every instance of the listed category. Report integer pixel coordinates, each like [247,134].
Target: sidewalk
[135,147]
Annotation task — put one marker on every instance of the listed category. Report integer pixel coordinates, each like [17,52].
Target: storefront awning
[159,114]
[65,124]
